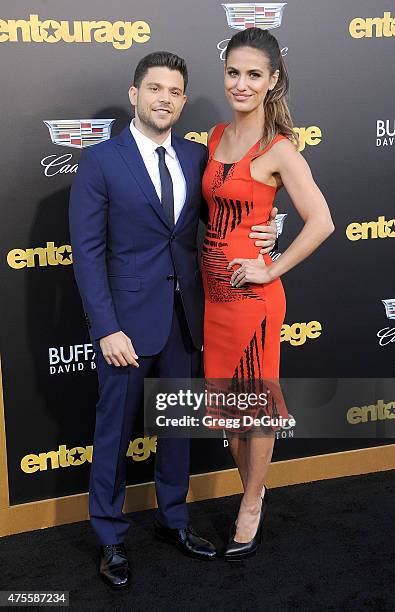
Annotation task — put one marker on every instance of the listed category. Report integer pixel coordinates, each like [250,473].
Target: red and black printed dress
[242,326]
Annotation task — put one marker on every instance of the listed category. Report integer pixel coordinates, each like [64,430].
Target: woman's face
[247,78]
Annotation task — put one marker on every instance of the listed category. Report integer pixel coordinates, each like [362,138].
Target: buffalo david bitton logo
[120,34]
[262,15]
[385,132]
[72,358]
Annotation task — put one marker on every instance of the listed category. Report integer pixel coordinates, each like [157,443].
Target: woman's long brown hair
[278,118]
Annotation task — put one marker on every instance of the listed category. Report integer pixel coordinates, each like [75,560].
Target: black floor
[328,546]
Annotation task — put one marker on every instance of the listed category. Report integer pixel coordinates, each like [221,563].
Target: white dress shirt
[147,148]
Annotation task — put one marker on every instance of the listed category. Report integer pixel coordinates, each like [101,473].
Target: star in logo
[391,410]
[51,31]
[65,253]
[76,456]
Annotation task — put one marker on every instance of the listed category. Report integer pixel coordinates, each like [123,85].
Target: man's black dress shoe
[114,566]
[238,551]
[187,540]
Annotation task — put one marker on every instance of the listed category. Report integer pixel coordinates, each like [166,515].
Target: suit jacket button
[170,277]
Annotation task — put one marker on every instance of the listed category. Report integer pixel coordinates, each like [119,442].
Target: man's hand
[118,350]
[266,234]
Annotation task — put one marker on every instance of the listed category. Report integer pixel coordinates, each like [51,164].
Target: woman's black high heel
[238,551]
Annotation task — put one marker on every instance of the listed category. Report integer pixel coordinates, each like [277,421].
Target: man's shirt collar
[147,146]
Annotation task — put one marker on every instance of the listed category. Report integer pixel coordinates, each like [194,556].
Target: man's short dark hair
[163,59]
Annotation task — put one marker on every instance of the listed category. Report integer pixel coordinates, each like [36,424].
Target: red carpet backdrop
[66,70]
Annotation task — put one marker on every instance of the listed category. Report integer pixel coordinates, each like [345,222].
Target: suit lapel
[130,153]
[178,146]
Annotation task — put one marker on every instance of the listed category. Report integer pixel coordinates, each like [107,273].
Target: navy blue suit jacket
[124,250]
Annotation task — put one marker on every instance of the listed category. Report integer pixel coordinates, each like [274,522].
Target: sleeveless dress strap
[269,146]
[215,138]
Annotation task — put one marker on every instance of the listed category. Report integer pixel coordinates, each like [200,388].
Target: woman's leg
[238,448]
[259,454]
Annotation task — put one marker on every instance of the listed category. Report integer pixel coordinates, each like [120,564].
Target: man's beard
[148,123]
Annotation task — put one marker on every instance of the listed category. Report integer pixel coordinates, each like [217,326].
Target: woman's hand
[250,271]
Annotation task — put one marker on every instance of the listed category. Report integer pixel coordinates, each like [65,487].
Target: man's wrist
[112,331]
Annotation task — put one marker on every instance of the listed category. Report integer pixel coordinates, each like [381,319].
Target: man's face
[159,99]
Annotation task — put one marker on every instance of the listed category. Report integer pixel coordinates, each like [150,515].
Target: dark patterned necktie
[167,197]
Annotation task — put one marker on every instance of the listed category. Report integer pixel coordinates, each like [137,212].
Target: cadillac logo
[280,218]
[79,133]
[389,308]
[261,15]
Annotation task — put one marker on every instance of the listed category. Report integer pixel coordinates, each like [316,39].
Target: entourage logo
[371,229]
[387,334]
[374,412]
[373,27]
[297,333]
[120,34]
[311,136]
[139,449]
[201,137]
[73,358]
[385,132]
[40,256]
[264,15]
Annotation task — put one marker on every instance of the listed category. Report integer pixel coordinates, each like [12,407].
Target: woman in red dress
[249,160]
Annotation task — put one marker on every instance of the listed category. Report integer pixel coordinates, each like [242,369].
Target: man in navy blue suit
[134,212]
